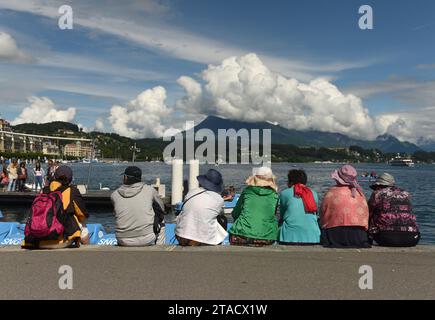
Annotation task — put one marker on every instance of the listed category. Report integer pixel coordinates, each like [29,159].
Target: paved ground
[218,273]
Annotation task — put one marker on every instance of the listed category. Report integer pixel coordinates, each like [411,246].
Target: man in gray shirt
[139,212]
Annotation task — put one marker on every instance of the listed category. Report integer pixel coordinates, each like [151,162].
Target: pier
[93,199]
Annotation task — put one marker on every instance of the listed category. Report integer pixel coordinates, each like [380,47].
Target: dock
[216,273]
[93,199]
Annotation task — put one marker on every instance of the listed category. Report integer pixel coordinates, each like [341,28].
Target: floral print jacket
[391,210]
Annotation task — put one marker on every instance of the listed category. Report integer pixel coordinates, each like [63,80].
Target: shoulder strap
[191,198]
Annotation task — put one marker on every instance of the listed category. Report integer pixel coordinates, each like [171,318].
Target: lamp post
[134,149]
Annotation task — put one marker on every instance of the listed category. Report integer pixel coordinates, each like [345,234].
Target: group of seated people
[344,219]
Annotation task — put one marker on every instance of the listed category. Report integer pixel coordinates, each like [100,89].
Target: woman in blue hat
[198,222]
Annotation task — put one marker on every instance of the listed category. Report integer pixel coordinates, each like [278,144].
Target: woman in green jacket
[255,222]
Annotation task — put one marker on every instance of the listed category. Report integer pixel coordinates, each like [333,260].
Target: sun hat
[385,179]
[262,177]
[211,181]
[347,176]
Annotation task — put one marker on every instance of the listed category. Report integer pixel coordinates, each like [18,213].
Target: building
[5,126]
[77,150]
[49,149]
[66,132]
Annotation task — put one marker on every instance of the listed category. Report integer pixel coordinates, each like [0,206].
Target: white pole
[177,181]
[193,173]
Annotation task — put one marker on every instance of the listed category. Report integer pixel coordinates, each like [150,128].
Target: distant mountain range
[426,144]
[312,138]
[280,135]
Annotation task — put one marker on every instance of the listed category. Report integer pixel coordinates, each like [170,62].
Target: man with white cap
[392,223]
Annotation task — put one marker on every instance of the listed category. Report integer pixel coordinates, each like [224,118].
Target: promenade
[223,272]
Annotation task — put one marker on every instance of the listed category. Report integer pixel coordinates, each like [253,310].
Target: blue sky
[118,50]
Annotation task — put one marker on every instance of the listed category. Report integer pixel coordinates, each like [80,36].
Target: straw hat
[262,177]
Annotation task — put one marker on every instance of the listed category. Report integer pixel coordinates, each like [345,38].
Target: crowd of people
[262,216]
[15,175]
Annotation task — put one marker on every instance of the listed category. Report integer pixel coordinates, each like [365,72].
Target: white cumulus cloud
[43,110]
[141,117]
[244,88]
[9,50]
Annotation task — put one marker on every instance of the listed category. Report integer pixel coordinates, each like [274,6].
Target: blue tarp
[12,234]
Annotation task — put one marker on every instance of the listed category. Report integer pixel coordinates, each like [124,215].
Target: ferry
[401,162]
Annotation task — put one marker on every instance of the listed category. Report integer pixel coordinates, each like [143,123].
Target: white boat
[399,161]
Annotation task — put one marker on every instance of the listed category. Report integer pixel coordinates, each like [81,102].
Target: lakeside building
[78,150]
[49,149]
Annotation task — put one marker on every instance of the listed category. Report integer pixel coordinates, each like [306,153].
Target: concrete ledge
[274,248]
[218,273]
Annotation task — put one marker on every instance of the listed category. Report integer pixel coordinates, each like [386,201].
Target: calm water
[420,181]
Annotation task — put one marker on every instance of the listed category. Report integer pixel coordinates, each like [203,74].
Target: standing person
[254,216]
[12,175]
[139,212]
[73,216]
[344,213]
[38,173]
[4,179]
[50,172]
[299,208]
[22,176]
[201,221]
[392,222]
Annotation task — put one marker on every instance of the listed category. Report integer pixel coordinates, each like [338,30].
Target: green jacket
[254,214]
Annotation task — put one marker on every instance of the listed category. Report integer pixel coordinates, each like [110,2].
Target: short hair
[297,176]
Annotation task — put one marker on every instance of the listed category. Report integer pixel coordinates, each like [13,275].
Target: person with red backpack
[58,215]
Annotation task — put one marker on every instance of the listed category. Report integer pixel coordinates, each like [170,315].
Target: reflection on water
[420,181]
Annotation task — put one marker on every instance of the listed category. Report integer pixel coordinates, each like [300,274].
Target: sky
[142,67]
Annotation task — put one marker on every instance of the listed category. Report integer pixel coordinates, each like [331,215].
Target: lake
[419,181]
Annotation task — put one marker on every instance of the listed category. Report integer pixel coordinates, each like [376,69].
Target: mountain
[311,138]
[426,144]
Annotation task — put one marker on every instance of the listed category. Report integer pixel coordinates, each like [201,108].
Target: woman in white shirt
[198,223]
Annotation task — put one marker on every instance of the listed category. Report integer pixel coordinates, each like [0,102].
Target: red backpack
[45,219]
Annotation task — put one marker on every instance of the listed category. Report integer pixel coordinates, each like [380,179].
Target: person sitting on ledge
[299,206]
[344,213]
[201,221]
[229,194]
[392,223]
[254,216]
[139,212]
[75,215]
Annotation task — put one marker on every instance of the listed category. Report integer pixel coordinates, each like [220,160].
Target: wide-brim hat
[384,180]
[262,177]
[345,175]
[211,181]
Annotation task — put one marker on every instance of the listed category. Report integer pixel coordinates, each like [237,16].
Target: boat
[399,161]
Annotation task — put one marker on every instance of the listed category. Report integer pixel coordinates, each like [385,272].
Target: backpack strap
[191,198]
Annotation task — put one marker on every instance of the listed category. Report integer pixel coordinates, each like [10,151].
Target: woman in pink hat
[344,213]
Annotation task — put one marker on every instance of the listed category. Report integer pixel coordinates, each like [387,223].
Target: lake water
[420,181]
